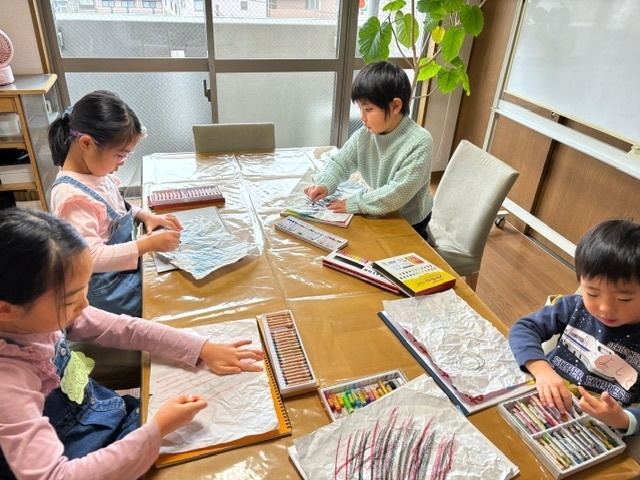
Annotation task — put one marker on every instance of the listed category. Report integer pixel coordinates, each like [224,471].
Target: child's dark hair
[379,83]
[102,115]
[36,249]
[610,250]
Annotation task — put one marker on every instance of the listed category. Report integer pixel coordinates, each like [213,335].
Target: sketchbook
[228,386]
[464,404]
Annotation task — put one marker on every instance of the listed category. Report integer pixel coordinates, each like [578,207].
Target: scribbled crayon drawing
[405,450]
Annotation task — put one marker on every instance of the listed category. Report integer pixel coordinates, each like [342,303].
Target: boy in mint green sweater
[391,152]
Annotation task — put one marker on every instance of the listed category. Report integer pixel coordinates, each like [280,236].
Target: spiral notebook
[284,428]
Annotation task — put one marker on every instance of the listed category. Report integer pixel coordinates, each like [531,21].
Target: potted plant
[412,25]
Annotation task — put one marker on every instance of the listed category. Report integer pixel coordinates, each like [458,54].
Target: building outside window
[313,4]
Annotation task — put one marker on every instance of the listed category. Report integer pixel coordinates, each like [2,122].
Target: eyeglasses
[118,156]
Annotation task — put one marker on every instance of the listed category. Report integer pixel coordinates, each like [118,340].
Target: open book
[414,275]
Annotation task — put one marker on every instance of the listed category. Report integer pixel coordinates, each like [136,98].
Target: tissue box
[9,125]
[16,174]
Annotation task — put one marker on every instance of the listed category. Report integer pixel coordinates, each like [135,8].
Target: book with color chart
[187,197]
[358,267]
[414,275]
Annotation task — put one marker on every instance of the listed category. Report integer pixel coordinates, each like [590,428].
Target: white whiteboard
[581,59]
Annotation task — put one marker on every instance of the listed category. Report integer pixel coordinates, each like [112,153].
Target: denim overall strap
[102,418]
[72,181]
[116,292]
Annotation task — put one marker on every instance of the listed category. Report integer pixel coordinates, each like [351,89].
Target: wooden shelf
[12,187]
[13,141]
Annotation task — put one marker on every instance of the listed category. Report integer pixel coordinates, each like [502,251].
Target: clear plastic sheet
[336,315]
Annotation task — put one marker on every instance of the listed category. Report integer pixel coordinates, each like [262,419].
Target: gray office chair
[468,197]
[229,137]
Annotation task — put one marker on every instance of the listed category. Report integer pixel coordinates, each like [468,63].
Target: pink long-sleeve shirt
[30,443]
[90,218]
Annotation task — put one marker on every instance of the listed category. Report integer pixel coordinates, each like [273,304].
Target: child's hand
[316,192]
[227,358]
[152,222]
[162,240]
[607,411]
[177,412]
[338,206]
[552,389]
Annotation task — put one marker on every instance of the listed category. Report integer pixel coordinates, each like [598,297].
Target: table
[336,314]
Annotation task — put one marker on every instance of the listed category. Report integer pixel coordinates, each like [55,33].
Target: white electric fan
[6,54]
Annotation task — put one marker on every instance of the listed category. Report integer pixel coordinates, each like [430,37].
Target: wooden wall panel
[485,63]
[580,191]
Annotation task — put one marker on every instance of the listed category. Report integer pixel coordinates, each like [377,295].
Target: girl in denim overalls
[90,141]
[55,422]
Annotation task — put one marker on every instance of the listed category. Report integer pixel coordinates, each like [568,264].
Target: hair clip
[143,131]
[67,111]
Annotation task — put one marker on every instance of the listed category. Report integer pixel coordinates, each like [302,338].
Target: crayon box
[564,444]
[345,398]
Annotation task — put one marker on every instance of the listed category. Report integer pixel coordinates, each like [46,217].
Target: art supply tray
[345,398]
[310,234]
[291,367]
[564,445]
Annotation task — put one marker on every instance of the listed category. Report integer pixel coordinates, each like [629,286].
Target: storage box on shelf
[27,107]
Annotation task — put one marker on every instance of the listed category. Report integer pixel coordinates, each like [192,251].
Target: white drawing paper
[238,405]
[463,345]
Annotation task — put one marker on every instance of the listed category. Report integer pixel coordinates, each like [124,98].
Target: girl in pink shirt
[89,142]
[55,422]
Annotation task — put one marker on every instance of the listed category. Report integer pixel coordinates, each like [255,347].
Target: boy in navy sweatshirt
[599,347]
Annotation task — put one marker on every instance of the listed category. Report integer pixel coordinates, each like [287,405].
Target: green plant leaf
[437,34]
[453,5]
[429,23]
[428,69]
[448,79]
[457,62]
[472,19]
[451,43]
[404,24]
[394,5]
[433,7]
[465,82]
[374,39]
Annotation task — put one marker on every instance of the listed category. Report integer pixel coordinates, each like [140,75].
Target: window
[198,5]
[128,3]
[313,4]
[149,4]
[108,3]
[273,4]
[244,5]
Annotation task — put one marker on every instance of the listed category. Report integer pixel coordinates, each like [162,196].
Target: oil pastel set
[291,366]
[310,234]
[187,197]
[345,398]
[565,444]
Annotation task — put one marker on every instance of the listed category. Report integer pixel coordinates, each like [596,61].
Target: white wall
[16,22]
